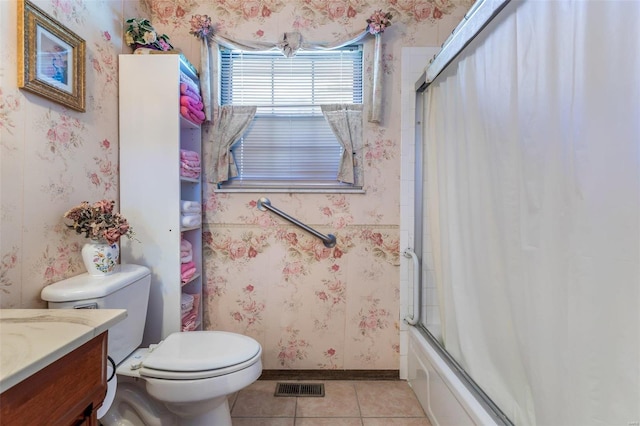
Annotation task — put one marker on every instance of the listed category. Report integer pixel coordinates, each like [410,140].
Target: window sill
[292,190]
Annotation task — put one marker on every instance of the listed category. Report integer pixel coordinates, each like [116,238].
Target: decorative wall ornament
[378,22]
[51,58]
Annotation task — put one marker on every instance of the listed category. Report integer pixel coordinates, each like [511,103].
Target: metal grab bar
[413,319]
[329,241]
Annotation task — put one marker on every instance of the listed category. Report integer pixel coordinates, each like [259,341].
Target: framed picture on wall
[51,58]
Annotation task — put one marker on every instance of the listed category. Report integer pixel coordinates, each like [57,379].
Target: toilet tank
[127,288]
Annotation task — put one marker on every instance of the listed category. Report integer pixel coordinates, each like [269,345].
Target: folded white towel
[190,206]
[186,258]
[189,220]
[186,302]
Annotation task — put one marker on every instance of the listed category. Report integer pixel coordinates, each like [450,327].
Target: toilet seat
[200,355]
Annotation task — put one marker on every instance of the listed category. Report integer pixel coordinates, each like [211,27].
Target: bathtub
[446,398]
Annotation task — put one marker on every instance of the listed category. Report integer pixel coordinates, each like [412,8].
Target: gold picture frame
[51,58]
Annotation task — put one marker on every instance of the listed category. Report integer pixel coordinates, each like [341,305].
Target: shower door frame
[500,418]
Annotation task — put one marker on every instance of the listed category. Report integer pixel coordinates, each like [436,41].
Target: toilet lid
[201,351]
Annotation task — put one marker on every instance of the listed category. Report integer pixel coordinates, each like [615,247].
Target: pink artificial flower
[378,22]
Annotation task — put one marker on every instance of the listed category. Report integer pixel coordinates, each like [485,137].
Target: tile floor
[346,403]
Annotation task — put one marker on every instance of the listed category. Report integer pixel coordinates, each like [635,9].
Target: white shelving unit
[152,132]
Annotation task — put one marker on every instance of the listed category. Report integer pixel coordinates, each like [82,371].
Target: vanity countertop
[31,339]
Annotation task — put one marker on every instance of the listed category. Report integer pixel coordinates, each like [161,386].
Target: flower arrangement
[141,33]
[378,22]
[201,27]
[98,221]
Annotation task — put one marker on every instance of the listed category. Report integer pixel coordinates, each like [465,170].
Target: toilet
[183,380]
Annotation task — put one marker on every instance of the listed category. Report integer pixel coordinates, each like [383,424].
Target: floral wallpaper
[309,306]
[51,157]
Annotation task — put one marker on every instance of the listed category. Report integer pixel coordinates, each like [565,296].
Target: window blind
[289,142]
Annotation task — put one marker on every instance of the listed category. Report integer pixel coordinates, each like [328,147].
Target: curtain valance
[289,44]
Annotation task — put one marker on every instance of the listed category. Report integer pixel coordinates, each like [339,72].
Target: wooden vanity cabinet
[67,392]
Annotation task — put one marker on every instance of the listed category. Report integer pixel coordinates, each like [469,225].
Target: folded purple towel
[187,91]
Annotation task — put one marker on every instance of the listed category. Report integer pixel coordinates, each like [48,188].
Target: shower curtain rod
[329,240]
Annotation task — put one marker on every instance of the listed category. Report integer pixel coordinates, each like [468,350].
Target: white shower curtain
[533,205]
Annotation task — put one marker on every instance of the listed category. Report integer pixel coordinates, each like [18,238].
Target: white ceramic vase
[100,258]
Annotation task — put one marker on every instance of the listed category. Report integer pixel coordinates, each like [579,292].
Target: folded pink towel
[191,117]
[192,114]
[190,102]
[196,302]
[193,167]
[185,245]
[189,173]
[187,275]
[195,111]
[189,322]
[189,155]
[187,271]
[186,251]
[186,266]
[190,169]
[184,162]
[186,316]
[190,165]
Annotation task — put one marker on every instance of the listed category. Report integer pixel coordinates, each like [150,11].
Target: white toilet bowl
[183,380]
[189,374]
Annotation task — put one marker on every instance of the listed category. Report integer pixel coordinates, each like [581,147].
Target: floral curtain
[231,124]
[346,122]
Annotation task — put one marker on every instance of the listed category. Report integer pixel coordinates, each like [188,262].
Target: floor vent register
[299,389]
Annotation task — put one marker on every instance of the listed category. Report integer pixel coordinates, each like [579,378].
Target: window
[289,143]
